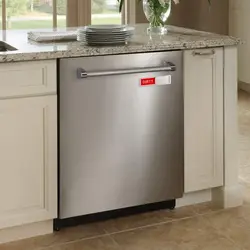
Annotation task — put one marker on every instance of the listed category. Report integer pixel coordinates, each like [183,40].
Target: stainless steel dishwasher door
[121,144]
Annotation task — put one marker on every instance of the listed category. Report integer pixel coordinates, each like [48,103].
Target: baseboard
[228,197]
[244,86]
[26,231]
[194,198]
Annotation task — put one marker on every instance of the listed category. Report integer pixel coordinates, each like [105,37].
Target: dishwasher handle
[168,66]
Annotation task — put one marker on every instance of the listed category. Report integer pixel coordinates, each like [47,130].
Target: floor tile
[147,219]
[212,241]
[65,235]
[165,236]
[101,243]
[235,217]
[205,208]
[240,235]
[181,213]
[134,221]
[234,224]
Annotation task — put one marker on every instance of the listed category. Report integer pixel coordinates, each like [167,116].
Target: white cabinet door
[28,161]
[203,94]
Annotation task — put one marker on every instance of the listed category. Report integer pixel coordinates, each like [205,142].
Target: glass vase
[157,13]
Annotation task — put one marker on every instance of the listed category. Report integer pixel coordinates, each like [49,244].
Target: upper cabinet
[203,94]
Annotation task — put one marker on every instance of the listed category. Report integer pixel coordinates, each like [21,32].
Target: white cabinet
[28,143]
[28,160]
[203,99]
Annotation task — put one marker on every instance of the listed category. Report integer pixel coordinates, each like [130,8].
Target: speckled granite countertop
[176,39]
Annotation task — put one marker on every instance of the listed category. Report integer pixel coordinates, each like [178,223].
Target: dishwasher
[121,132]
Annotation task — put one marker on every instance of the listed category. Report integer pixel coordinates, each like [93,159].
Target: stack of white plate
[105,34]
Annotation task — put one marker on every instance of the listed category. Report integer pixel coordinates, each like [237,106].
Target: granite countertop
[176,39]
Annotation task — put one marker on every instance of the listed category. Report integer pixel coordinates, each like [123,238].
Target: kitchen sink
[4,47]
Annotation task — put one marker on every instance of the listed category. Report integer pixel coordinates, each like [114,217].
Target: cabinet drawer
[27,78]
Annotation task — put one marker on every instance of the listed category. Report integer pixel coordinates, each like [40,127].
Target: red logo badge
[147,81]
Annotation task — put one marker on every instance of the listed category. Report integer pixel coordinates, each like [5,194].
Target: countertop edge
[104,51]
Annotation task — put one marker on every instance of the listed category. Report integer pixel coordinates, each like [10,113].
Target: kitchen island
[28,92]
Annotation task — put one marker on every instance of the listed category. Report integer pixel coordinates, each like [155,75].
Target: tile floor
[199,227]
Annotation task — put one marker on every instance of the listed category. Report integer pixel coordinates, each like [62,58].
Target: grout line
[114,241]
[74,241]
[219,232]
[226,236]
[154,224]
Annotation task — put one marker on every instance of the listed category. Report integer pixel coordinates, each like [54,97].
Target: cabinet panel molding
[22,79]
[203,98]
[28,145]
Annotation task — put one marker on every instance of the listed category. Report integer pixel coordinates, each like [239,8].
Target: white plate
[106,42]
[107,34]
[102,44]
[97,40]
[126,29]
[102,41]
[106,38]
[106,27]
[123,30]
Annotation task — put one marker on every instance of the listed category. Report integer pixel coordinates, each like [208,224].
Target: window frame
[79,13]
[4,16]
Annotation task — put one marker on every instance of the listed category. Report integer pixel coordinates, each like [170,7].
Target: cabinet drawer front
[27,78]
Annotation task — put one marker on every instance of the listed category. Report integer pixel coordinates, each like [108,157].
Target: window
[33,14]
[38,14]
[105,12]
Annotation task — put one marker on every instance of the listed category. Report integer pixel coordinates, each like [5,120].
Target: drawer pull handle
[208,53]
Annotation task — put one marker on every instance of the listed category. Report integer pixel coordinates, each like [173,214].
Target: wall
[239,27]
[197,15]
